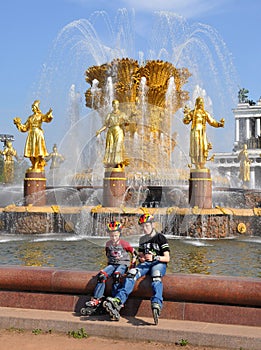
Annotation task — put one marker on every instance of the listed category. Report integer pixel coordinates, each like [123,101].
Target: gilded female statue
[9,154]
[115,121]
[56,158]
[199,146]
[35,148]
[244,169]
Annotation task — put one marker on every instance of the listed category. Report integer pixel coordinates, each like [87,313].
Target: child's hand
[142,259]
[149,257]
[133,264]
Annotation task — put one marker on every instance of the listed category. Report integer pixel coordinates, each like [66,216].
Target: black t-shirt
[155,245]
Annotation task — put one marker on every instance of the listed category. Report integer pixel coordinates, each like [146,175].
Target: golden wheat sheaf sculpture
[125,76]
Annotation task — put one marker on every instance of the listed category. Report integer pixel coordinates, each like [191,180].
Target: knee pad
[102,277]
[156,276]
[132,273]
[116,277]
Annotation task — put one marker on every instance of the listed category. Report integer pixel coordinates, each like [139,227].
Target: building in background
[247,116]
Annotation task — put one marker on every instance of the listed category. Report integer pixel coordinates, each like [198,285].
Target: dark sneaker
[156,309]
[113,307]
[91,307]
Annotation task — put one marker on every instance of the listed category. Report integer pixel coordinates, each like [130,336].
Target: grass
[78,334]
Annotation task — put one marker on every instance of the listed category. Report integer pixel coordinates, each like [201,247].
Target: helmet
[144,218]
[114,226]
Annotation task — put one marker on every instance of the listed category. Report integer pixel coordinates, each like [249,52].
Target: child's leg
[119,271]
[102,277]
[114,305]
[157,272]
[95,302]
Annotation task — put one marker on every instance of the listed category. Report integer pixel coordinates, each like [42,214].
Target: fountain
[151,95]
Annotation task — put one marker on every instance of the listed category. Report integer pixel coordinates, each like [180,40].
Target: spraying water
[100,39]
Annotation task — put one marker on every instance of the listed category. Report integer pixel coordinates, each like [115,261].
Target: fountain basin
[193,222]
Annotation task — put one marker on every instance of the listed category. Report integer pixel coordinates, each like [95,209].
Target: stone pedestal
[114,187]
[34,188]
[200,188]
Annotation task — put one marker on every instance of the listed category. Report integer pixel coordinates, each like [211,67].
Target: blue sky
[28,29]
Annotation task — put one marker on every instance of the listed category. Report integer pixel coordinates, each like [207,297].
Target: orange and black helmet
[114,226]
[144,218]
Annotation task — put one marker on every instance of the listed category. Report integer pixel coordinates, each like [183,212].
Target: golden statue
[199,146]
[55,157]
[35,148]
[145,92]
[115,122]
[244,169]
[9,154]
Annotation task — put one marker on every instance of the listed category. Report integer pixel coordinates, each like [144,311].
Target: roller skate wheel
[83,311]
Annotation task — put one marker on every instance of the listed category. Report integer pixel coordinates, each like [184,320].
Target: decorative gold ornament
[69,226]
[241,227]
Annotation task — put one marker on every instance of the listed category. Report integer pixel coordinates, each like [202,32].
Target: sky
[29,28]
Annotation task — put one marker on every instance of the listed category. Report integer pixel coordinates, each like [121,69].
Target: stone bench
[194,297]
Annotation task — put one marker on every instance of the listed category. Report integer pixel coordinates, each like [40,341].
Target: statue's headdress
[36,103]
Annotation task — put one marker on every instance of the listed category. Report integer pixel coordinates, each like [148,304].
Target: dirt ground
[14,339]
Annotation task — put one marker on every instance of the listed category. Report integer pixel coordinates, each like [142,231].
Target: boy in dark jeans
[120,255]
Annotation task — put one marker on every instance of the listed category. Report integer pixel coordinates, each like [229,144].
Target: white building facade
[247,116]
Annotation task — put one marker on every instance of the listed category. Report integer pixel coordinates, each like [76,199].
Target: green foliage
[79,334]
[15,330]
[182,342]
[37,331]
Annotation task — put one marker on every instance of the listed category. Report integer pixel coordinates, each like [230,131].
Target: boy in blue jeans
[153,254]
[120,255]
